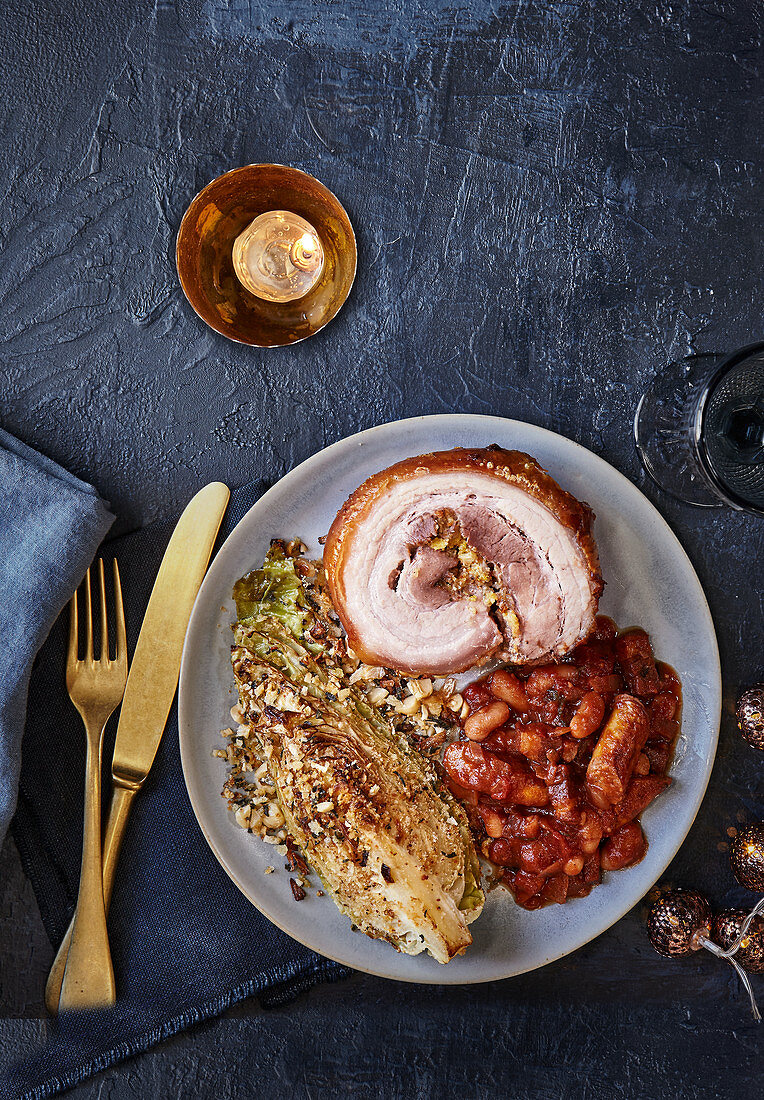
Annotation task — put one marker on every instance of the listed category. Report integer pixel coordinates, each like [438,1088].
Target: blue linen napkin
[51,525]
[186,944]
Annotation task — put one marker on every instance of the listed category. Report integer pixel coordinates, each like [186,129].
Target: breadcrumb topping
[424,709]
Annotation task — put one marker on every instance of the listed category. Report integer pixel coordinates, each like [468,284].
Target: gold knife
[153,681]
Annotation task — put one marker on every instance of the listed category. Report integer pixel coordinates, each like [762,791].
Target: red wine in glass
[699,429]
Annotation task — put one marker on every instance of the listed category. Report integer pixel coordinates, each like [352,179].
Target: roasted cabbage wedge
[386,837]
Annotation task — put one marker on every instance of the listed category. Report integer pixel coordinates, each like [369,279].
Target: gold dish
[216,217]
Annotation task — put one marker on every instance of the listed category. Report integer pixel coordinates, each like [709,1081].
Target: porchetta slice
[446,560]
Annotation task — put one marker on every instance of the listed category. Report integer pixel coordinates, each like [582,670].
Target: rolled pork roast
[445,561]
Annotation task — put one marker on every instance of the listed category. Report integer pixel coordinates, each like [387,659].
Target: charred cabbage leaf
[388,840]
[273,590]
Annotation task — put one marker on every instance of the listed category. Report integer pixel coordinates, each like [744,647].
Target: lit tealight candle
[278,257]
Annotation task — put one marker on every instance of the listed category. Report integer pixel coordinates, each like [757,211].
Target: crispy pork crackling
[444,561]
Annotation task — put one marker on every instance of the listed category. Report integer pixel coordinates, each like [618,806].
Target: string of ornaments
[680,921]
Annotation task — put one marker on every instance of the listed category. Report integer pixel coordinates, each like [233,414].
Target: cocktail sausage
[616,752]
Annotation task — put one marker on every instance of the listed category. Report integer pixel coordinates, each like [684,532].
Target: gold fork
[96,687]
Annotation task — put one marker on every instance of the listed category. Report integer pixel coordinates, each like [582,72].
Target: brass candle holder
[266,255]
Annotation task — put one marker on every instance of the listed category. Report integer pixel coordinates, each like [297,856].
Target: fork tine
[104,620]
[121,654]
[71,653]
[88,621]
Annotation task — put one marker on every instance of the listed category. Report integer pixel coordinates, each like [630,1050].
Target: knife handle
[119,811]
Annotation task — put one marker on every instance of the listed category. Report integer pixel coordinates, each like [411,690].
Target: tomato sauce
[556,763]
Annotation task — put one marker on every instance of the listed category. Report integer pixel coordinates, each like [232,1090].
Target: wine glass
[699,430]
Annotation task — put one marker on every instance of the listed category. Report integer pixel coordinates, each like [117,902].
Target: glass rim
[727,495]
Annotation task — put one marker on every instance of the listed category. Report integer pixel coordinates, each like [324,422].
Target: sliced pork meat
[447,560]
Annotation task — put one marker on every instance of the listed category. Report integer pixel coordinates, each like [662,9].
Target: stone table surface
[551,203]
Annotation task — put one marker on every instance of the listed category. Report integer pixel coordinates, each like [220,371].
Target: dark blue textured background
[551,202]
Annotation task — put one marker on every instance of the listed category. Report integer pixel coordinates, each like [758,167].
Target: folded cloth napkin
[185,942]
[51,525]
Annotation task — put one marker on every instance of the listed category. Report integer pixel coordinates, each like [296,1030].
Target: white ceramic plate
[650,581]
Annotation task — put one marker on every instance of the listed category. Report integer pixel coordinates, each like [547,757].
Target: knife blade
[155,667]
[152,681]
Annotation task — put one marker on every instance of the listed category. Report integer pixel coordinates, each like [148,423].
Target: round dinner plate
[650,582]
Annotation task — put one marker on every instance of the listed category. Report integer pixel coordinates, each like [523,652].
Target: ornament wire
[716,950]
[731,950]
[758,908]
